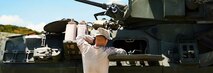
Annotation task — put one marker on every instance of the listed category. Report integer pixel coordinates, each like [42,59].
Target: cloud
[114,1]
[10,19]
[18,21]
[38,27]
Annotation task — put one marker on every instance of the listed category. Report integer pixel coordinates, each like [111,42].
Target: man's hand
[121,51]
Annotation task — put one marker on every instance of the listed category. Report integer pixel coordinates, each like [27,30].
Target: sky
[35,14]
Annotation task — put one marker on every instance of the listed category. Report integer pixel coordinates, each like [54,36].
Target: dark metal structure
[161,36]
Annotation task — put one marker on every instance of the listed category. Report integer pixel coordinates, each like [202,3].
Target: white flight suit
[95,59]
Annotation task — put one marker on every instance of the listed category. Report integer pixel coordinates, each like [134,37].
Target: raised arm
[83,42]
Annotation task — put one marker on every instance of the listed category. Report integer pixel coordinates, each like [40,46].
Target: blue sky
[35,14]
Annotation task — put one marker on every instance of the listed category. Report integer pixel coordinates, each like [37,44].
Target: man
[95,57]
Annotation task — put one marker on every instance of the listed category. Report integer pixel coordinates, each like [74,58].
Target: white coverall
[95,59]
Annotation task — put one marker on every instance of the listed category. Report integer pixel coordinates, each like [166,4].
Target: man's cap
[103,32]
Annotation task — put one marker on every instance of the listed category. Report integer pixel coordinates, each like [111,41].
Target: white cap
[104,32]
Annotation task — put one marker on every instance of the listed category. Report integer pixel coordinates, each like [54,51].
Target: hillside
[16,29]
[3,36]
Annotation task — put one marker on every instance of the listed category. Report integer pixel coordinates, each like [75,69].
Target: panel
[174,8]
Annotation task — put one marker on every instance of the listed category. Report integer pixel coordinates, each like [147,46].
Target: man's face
[101,41]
